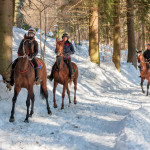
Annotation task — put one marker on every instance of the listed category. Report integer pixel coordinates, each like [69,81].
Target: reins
[25,55]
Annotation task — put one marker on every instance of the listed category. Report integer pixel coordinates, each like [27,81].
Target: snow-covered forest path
[111,112]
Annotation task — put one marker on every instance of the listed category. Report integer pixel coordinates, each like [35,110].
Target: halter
[24,53]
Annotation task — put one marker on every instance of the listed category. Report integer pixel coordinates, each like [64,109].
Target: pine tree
[131,36]
[116,35]
[93,32]
[6,25]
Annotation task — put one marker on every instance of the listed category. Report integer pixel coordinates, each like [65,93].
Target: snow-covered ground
[111,113]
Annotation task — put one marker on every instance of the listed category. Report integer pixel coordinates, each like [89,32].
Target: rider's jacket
[68,49]
[146,54]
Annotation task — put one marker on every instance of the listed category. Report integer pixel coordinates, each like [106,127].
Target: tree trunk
[6,26]
[41,34]
[131,36]
[93,33]
[116,35]
[143,36]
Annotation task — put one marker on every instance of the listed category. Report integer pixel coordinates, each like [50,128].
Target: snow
[111,113]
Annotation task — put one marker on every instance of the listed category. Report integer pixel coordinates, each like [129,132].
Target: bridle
[24,53]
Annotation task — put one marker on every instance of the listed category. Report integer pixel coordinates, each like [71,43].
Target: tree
[93,32]
[6,25]
[131,36]
[116,35]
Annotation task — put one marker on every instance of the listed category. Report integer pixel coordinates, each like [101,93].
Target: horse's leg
[30,93]
[32,105]
[147,89]
[142,80]
[63,95]
[16,92]
[54,92]
[75,89]
[43,86]
[68,92]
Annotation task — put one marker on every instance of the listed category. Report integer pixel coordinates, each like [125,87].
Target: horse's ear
[33,38]
[25,37]
[56,40]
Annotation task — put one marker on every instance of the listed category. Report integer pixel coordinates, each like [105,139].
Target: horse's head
[139,56]
[28,46]
[59,47]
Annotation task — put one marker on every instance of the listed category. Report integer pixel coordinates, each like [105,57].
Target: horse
[61,75]
[144,71]
[24,77]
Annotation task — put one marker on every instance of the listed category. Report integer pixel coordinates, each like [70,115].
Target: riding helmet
[65,35]
[31,30]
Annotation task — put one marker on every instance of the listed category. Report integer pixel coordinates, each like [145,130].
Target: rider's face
[65,38]
[148,47]
[31,34]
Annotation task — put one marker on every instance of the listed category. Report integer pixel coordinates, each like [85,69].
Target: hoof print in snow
[52,133]
[75,126]
[69,105]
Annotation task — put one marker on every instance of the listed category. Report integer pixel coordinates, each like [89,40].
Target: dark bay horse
[61,75]
[144,71]
[24,77]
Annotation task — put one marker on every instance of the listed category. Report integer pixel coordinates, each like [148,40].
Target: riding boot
[50,77]
[11,82]
[37,76]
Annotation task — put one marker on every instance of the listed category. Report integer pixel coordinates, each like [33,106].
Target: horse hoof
[50,113]
[55,106]
[11,120]
[30,115]
[69,105]
[26,121]
[75,102]
[62,108]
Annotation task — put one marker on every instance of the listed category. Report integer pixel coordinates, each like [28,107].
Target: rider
[31,34]
[68,49]
[146,54]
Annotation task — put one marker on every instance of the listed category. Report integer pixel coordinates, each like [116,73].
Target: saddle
[38,62]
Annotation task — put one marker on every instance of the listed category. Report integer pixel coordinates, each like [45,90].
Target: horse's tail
[42,93]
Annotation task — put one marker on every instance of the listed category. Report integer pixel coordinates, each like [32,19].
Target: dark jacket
[68,49]
[146,54]
[20,49]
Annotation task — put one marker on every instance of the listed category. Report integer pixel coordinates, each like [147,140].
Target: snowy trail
[110,108]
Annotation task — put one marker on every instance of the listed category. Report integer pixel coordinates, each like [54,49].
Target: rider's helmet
[65,35]
[31,30]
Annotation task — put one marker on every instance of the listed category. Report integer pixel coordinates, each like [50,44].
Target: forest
[108,68]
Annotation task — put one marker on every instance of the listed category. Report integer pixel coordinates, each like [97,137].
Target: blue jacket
[68,49]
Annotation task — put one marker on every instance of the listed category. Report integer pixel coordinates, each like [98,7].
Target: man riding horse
[31,35]
[68,50]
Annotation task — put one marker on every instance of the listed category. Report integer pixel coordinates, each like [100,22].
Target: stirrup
[9,87]
[38,80]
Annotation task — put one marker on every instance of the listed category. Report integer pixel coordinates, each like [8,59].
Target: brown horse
[61,75]
[144,71]
[24,77]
